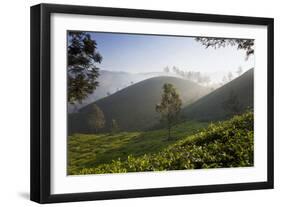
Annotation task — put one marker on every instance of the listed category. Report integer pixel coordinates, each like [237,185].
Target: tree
[207,80]
[176,70]
[181,73]
[230,76]
[96,118]
[239,71]
[242,44]
[166,69]
[82,73]
[189,75]
[114,126]
[232,105]
[169,107]
[224,80]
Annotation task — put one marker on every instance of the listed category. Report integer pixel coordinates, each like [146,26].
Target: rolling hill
[112,81]
[134,106]
[211,107]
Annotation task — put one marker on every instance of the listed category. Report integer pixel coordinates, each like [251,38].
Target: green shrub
[221,145]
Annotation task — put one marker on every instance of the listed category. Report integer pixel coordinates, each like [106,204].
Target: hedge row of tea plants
[221,145]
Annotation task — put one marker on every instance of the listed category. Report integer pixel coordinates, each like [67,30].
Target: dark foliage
[96,119]
[241,44]
[169,107]
[231,105]
[82,72]
[222,145]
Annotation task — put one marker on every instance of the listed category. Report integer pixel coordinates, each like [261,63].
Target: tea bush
[221,145]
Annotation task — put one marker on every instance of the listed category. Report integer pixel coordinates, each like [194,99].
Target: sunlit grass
[86,151]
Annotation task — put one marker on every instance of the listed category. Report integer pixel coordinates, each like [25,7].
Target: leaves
[96,119]
[242,44]
[224,144]
[82,72]
[170,106]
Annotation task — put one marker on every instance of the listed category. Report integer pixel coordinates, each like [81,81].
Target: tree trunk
[169,132]
[169,137]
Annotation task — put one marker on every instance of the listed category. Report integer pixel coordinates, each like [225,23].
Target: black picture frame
[41,97]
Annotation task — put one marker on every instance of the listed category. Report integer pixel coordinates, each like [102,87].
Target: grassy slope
[134,107]
[109,81]
[210,107]
[225,144]
[86,151]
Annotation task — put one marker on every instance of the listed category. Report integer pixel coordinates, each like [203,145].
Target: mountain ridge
[211,106]
[134,106]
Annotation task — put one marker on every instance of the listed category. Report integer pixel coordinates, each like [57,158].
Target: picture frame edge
[40,105]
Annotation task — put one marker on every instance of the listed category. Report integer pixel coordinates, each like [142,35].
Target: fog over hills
[211,107]
[111,82]
[134,106]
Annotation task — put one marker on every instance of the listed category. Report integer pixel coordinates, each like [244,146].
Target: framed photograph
[133,103]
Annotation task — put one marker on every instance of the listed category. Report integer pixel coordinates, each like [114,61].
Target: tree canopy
[82,72]
[241,44]
[96,118]
[231,105]
[169,107]
[114,126]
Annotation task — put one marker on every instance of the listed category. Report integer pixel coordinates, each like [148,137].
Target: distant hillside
[112,81]
[134,107]
[211,107]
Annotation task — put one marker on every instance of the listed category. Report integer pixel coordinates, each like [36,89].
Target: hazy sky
[150,53]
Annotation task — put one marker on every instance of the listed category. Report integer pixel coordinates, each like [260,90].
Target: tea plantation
[195,146]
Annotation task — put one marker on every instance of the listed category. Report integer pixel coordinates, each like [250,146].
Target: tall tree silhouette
[82,72]
[169,107]
[166,69]
[231,105]
[114,126]
[96,118]
[239,71]
[230,76]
